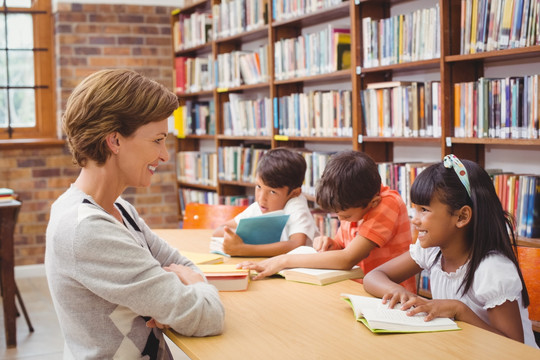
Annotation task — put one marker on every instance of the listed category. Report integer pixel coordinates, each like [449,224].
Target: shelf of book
[246,36]
[196,186]
[450,67]
[497,55]
[405,66]
[320,78]
[317,17]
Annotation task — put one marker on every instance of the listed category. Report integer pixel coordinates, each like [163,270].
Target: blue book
[264,229]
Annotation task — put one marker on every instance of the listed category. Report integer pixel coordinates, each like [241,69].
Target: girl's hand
[186,274]
[264,268]
[433,308]
[324,243]
[232,243]
[398,295]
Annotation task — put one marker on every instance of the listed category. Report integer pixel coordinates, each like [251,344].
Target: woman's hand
[186,274]
[153,323]
[266,267]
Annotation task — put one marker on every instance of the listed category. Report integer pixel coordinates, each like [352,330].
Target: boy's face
[356,214]
[272,199]
[352,214]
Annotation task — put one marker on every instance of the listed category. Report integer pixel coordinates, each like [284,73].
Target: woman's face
[140,154]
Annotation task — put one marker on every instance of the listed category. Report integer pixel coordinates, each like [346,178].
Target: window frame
[45,128]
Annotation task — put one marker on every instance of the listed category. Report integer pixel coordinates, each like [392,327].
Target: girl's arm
[505,319]
[383,281]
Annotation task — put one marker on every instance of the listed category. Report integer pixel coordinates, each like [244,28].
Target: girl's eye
[158,141]
[423,209]
[258,186]
[273,192]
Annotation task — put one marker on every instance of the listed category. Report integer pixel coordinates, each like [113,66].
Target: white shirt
[300,219]
[496,280]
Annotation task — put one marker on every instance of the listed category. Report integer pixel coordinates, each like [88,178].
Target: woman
[113,281]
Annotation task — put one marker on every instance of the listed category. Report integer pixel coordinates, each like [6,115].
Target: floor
[46,342]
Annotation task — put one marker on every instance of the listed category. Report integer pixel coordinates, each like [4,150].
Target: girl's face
[141,153]
[435,223]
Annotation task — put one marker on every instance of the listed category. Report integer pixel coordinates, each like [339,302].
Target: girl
[464,241]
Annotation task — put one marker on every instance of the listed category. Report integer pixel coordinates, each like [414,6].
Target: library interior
[407,82]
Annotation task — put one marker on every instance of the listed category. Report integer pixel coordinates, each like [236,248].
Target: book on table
[226,277]
[378,318]
[202,258]
[318,276]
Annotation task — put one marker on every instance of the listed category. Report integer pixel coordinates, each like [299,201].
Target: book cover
[318,276]
[264,229]
[226,277]
[202,258]
[378,318]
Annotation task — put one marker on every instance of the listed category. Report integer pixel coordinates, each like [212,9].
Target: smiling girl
[465,243]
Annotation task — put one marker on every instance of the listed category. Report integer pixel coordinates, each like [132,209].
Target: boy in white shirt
[280,174]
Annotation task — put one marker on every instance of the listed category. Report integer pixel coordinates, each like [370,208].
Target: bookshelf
[448,65]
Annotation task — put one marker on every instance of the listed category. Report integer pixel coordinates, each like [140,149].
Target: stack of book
[6,195]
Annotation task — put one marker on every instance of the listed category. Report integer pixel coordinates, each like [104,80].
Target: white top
[300,219]
[496,280]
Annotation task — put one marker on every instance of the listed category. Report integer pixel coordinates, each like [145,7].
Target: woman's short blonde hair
[110,101]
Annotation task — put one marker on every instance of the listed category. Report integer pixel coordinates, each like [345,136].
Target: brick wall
[90,37]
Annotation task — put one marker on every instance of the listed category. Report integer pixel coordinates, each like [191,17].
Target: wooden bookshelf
[451,67]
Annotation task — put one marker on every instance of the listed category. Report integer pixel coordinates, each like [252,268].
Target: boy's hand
[232,243]
[324,243]
[264,268]
[186,274]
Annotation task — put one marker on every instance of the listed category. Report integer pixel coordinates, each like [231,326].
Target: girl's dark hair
[491,228]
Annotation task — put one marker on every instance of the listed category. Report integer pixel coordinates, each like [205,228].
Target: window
[27,105]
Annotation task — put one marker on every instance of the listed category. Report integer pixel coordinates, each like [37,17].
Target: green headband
[451,161]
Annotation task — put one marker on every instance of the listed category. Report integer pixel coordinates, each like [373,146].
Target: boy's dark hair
[491,228]
[282,167]
[350,180]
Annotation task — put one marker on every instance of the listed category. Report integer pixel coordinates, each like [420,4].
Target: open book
[226,277]
[380,319]
[318,276]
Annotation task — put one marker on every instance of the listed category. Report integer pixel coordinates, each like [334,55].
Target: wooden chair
[203,216]
[529,262]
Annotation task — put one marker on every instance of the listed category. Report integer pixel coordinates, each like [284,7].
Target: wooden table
[8,216]
[279,319]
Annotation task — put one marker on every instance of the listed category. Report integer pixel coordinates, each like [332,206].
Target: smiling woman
[100,255]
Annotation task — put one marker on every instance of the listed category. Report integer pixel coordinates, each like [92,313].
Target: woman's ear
[113,143]
[464,216]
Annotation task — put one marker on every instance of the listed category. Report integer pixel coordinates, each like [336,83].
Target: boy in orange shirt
[374,223]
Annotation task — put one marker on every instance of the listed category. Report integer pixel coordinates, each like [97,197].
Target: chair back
[204,216]
[529,263]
